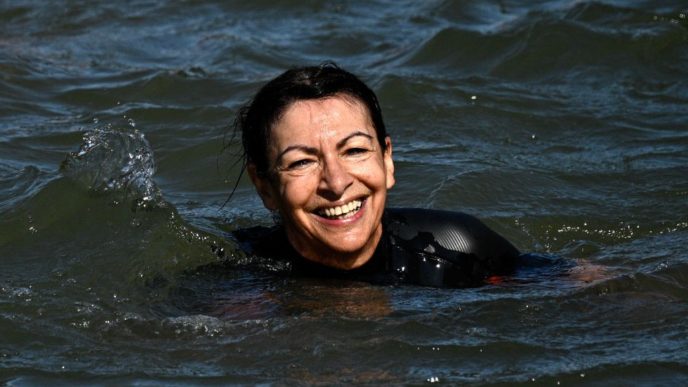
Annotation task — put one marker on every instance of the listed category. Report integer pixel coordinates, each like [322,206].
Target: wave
[586,37]
[114,161]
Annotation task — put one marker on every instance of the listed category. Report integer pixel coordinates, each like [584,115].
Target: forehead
[332,114]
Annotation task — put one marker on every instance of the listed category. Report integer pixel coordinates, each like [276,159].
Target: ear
[389,164]
[263,187]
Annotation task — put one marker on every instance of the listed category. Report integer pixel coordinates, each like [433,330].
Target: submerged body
[418,246]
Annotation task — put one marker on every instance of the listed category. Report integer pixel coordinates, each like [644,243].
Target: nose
[334,179]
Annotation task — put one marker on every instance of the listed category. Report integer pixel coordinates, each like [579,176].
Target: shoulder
[452,229]
[263,241]
[447,234]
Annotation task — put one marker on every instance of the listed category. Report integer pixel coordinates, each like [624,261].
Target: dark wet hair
[256,119]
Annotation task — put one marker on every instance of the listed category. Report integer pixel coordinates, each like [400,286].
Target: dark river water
[561,124]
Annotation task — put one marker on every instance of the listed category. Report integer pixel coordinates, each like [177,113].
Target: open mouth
[341,212]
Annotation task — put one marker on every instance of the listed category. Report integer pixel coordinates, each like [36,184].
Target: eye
[356,151]
[300,164]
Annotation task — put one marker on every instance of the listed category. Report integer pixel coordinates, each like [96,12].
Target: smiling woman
[317,151]
[328,179]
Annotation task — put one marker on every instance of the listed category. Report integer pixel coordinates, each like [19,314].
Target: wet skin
[328,179]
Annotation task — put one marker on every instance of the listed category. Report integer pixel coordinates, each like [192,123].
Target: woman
[318,153]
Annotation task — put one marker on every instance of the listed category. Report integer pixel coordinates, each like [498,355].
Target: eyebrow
[313,151]
[357,133]
[303,148]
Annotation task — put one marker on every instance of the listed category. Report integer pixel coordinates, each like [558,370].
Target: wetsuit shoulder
[474,250]
[419,246]
[264,241]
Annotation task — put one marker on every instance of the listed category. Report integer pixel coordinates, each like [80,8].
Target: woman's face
[328,179]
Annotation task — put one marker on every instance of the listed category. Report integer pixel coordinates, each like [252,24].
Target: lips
[341,212]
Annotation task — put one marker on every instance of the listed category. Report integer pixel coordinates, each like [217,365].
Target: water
[561,124]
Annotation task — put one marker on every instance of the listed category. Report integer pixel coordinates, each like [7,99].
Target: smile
[341,212]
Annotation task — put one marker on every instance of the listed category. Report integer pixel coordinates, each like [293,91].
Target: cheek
[296,193]
[373,173]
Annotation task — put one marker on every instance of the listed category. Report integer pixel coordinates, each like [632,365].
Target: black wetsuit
[418,246]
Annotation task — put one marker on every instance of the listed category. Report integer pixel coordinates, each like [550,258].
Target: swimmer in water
[317,151]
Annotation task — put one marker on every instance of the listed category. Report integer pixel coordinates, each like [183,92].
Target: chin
[352,243]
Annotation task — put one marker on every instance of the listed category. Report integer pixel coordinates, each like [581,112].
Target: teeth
[342,210]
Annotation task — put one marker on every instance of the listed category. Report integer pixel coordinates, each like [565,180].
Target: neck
[341,260]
